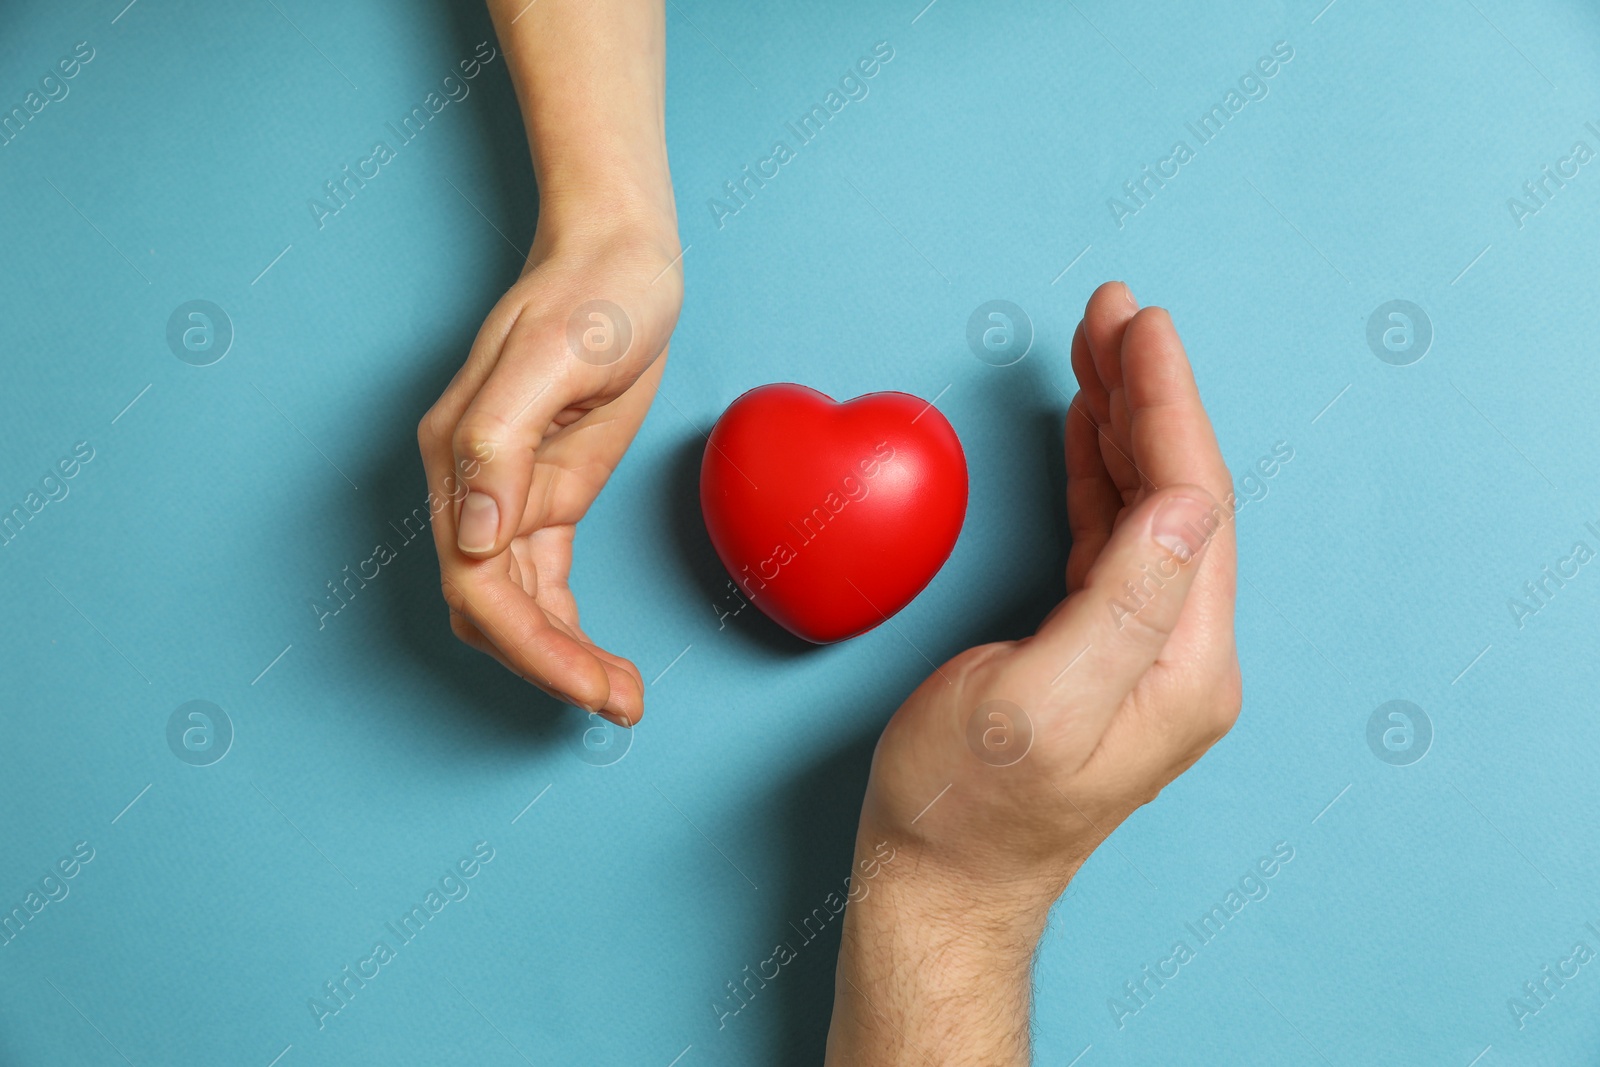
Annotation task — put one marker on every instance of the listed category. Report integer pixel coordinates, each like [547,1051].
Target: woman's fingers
[486,594]
[529,641]
[624,706]
[494,443]
[572,360]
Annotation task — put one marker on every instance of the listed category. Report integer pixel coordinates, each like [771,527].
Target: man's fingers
[1090,387]
[1173,442]
[1105,318]
[1171,434]
[1092,497]
[1092,651]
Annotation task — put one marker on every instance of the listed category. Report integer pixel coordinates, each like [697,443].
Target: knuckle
[1141,603]
[1130,790]
[456,600]
[1144,625]
[981,673]
[1217,702]
[433,427]
[1227,701]
[982,663]
[479,435]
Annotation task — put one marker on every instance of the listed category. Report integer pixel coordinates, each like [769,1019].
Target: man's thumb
[1134,594]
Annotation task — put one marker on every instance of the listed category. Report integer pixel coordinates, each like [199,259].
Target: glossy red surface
[831,517]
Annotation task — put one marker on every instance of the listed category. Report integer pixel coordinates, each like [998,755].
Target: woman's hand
[524,438]
[1007,767]
[565,366]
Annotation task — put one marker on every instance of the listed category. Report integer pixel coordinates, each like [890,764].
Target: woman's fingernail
[480,522]
[1127,294]
[614,719]
[1184,525]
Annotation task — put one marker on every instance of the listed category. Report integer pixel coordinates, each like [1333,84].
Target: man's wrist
[932,966]
[956,920]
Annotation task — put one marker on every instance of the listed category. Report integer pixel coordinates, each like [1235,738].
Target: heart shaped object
[831,517]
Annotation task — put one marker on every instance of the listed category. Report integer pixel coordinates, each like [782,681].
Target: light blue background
[375,752]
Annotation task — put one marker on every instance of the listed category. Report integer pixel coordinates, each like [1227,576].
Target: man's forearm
[932,973]
[591,81]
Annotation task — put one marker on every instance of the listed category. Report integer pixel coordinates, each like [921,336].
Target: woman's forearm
[591,81]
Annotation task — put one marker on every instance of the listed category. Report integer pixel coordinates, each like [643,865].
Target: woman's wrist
[576,216]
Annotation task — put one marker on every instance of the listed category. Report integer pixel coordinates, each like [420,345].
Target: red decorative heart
[831,517]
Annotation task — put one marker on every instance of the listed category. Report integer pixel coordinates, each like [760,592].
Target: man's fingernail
[480,522]
[1127,294]
[1183,525]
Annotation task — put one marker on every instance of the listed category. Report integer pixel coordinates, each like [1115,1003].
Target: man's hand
[1013,761]
[565,366]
